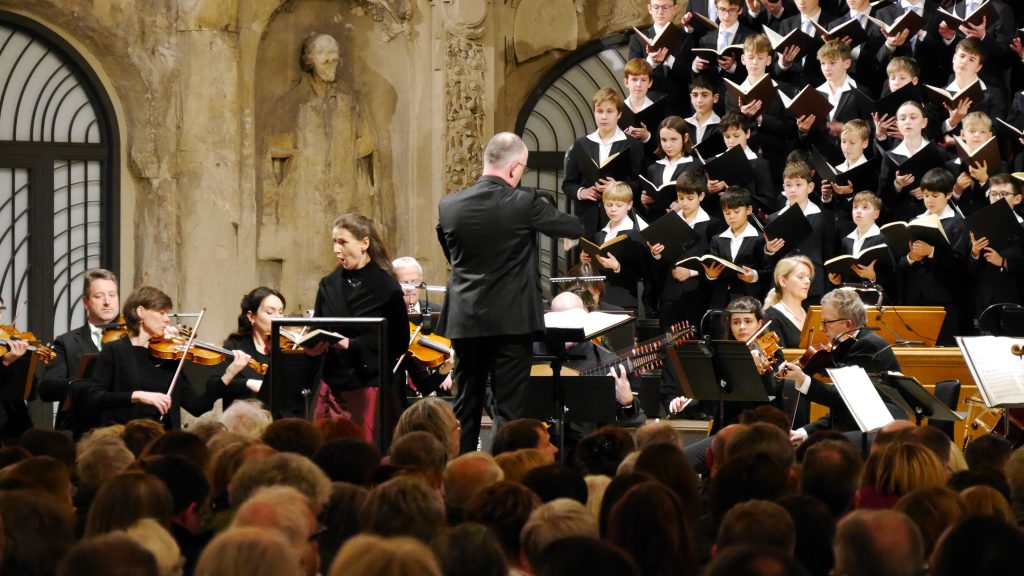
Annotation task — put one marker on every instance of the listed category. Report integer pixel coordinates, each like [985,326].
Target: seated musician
[14,417]
[259,308]
[129,382]
[842,315]
[420,380]
[102,305]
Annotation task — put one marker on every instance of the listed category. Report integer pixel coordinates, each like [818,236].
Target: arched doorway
[59,183]
[557,112]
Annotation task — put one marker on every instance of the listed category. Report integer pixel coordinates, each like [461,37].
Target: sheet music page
[577,318]
[861,398]
[997,372]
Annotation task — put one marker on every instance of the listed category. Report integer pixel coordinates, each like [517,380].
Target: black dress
[237,388]
[123,369]
[789,333]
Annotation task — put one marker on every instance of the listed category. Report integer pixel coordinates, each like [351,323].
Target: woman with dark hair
[362,286]
[259,308]
[129,382]
[648,522]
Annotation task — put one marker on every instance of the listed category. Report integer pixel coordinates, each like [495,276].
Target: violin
[430,350]
[766,345]
[113,330]
[9,333]
[201,353]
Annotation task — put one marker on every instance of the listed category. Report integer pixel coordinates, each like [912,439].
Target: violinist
[842,316]
[259,308]
[14,417]
[420,380]
[101,304]
[362,286]
[129,382]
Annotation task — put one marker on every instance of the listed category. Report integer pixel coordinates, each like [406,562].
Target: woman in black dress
[362,286]
[129,383]
[259,308]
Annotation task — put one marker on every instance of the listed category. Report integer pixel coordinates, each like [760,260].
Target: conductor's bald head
[505,157]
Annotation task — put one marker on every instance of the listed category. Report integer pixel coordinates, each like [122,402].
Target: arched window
[58,177]
[557,112]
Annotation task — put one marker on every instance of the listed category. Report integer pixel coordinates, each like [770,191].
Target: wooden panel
[928,365]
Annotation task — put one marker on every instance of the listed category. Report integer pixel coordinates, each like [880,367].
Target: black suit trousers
[505,360]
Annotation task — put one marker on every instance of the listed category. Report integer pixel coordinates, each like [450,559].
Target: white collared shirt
[612,232]
[845,166]
[712,120]
[810,208]
[833,98]
[947,212]
[858,241]
[646,104]
[903,150]
[700,216]
[605,148]
[96,335]
[736,241]
[670,167]
[750,154]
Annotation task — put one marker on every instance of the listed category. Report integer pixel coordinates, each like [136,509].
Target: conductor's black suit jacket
[489,235]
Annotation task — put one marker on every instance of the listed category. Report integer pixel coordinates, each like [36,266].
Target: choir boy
[671,68]
[730,32]
[819,246]
[623,272]
[743,245]
[638,76]
[848,103]
[853,141]
[736,131]
[703,98]
[925,46]
[933,275]
[793,66]
[597,147]
[866,207]
[998,276]
[971,188]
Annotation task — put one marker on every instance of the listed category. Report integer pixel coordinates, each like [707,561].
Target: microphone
[866,287]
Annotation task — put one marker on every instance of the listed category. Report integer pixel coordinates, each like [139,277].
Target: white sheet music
[590,322]
[997,372]
[860,397]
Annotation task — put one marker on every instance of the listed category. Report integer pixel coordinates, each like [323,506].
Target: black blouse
[122,368]
[237,389]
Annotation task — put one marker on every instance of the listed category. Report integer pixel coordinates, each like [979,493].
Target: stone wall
[222,184]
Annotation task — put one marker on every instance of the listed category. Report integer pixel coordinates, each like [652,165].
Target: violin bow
[184,355]
[406,353]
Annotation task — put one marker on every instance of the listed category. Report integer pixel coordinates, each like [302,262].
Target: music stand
[720,370]
[899,326]
[922,403]
[301,391]
[587,399]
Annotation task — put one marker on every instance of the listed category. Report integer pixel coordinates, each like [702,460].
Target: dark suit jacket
[869,352]
[867,70]
[931,49]
[592,213]
[935,281]
[853,105]
[994,285]
[489,235]
[56,383]
[656,174]
[885,276]
[751,254]
[673,81]
[819,246]
[803,71]
[999,56]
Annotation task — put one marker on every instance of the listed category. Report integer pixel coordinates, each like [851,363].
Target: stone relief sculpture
[320,162]
[464,88]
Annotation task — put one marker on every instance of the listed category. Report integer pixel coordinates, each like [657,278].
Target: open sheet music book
[577,325]
[861,397]
[997,372]
[311,337]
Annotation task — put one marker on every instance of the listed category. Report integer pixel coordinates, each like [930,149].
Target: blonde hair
[834,50]
[618,192]
[596,486]
[783,269]
[900,468]
[858,127]
[987,501]
[608,96]
[149,534]
[399,556]
[977,118]
[431,415]
[903,64]
[757,44]
[560,518]
[517,463]
[248,551]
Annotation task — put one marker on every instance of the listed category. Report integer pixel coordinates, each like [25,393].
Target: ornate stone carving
[394,15]
[464,106]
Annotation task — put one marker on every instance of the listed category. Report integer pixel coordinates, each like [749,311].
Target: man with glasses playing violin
[101,303]
[842,317]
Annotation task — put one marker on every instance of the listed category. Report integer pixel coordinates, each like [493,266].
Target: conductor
[493,309]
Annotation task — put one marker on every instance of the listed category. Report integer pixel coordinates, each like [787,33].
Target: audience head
[41,473]
[517,463]
[340,518]
[553,521]
[50,443]
[767,414]
[523,433]
[248,551]
[247,418]
[720,445]
[815,528]
[115,554]
[348,460]
[149,534]
[961,481]
[467,475]
[900,468]
[987,501]
[102,461]
[655,432]
[873,542]
[137,434]
[38,530]
[469,549]
[12,455]
[614,492]
[434,416]
[556,481]
[585,555]
[756,476]
[504,507]
[293,435]
[831,473]
[754,561]
[933,510]
[281,469]
[127,498]
[338,428]
[179,443]
[284,510]
[403,506]
[190,491]
[399,556]
[668,465]
[762,438]
[757,523]
[419,453]
[988,451]
[602,451]
[979,545]
[650,524]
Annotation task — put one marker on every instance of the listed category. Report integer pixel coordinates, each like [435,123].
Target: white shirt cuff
[253,384]
[803,387]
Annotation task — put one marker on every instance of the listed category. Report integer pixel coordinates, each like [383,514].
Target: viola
[430,350]
[9,333]
[201,353]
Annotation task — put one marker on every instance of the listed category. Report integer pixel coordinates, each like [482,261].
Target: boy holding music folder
[716,53]
[847,102]
[978,155]
[933,269]
[667,49]
[966,93]
[797,63]
[683,293]
[737,261]
[856,173]
[865,256]
[801,227]
[739,165]
[618,247]
[866,39]
[643,110]
[997,246]
[600,158]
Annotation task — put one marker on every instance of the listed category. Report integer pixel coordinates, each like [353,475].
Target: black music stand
[586,399]
[922,403]
[720,370]
[291,385]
